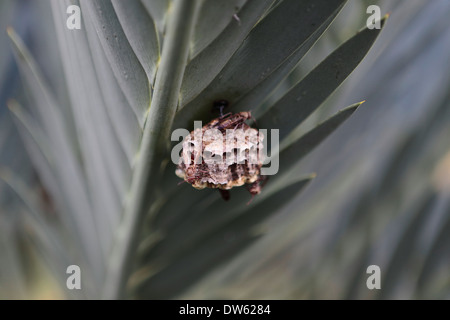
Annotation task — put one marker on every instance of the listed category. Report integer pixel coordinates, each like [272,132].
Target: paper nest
[221,159]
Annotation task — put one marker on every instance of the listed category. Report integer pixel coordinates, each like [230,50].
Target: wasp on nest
[224,153]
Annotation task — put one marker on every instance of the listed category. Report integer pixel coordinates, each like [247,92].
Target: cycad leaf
[46,233]
[236,50]
[140,31]
[319,84]
[172,213]
[213,18]
[212,211]
[128,70]
[262,90]
[435,265]
[404,242]
[13,281]
[206,65]
[126,126]
[193,259]
[158,11]
[305,144]
[106,167]
[250,64]
[66,166]
[154,146]
[36,143]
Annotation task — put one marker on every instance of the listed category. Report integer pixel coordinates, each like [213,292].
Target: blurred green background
[382,194]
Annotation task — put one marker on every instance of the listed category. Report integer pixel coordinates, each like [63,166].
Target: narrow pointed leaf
[106,167]
[213,214]
[41,154]
[128,70]
[195,258]
[67,167]
[140,31]
[305,144]
[158,11]
[253,99]
[251,64]
[205,66]
[319,84]
[46,233]
[125,124]
[214,17]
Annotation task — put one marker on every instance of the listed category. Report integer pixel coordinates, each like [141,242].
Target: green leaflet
[250,64]
[127,68]
[140,32]
[253,99]
[207,64]
[305,97]
[158,11]
[214,17]
[66,167]
[106,168]
[188,258]
[305,144]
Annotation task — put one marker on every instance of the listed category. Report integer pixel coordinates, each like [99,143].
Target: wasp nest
[223,154]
